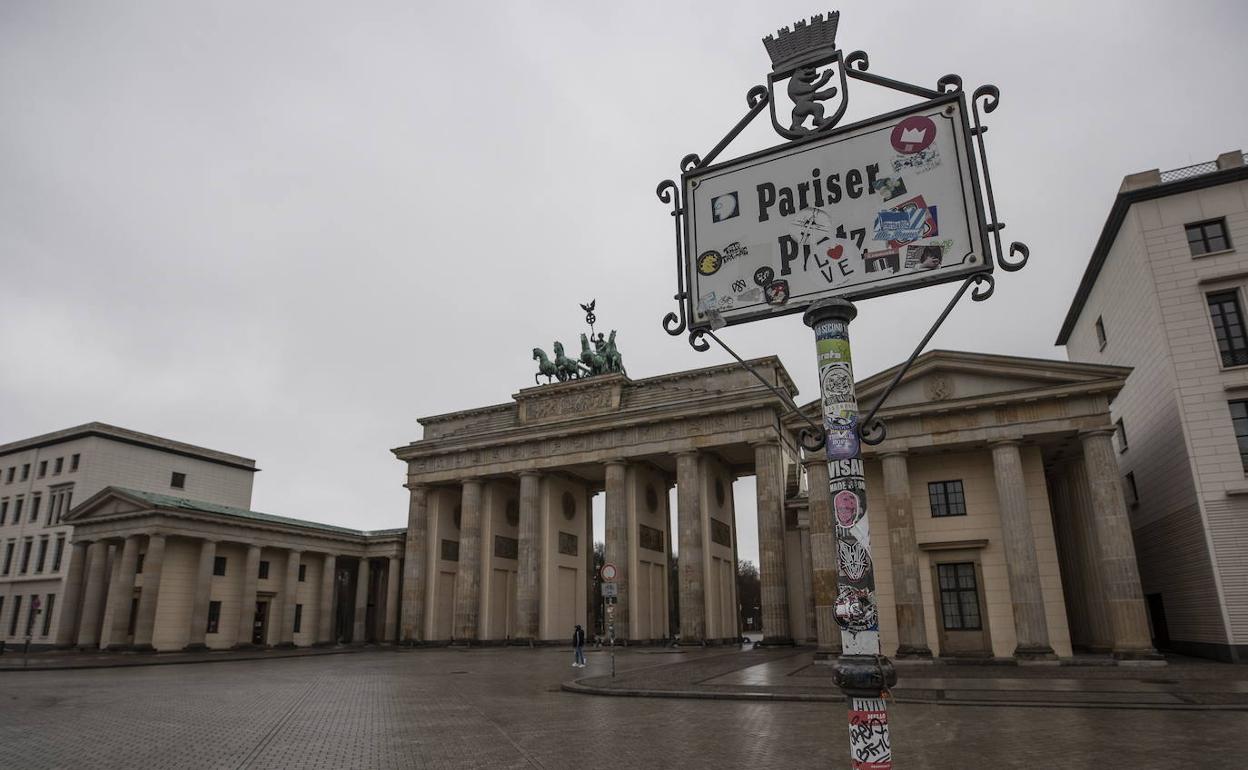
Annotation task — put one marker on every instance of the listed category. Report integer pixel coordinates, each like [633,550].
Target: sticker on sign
[874,208]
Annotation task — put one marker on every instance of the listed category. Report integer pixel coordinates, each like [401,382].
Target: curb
[577,687]
[140,662]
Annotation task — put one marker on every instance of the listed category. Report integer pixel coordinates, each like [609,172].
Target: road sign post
[840,213]
[610,593]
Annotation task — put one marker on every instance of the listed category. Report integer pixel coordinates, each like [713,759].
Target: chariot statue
[602,357]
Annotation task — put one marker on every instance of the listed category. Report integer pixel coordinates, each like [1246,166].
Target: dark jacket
[578,637]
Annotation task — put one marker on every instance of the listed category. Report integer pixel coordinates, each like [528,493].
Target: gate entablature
[588,422]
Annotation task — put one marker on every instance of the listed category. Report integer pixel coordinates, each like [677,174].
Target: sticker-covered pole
[862,673]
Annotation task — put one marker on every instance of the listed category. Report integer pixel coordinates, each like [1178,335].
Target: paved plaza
[504,708]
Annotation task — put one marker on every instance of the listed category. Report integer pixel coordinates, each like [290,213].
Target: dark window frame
[218,566]
[298,618]
[303,573]
[41,560]
[1120,431]
[16,614]
[177,480]
[1133,491]
[263,572]
[214,617]
[58,466]
[1102,339]
[9,549]
[946,498]
[43,469]
[1239,423]
[1204,241]
[27,546]
[1226,316]
[47,614]
[74,461]
[58,554]
[953,597]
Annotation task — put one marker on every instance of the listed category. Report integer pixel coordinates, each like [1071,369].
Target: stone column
[468,579]
[808,582]
[67,626]
[93,595]
[290,597]
[153,565]
[359,633]
[903,550]
[823,564]
[1119,571]
[415,561]
[247,600]
[528,577]
[121,594]
[618,536]
[769,476]
[325,614]
[1030,624]
[692,579]
[197,640]
[390,625]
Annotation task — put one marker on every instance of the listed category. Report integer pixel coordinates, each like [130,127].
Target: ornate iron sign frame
[983,101]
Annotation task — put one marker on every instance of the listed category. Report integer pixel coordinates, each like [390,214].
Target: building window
[42,559]
[43,468]
[1228,327]
[31,613]
[47,614]
[138,564]
[298,617]
[303,573]
[26,547]
[25,471]
[218,565]
[4,510]
[1133,494]
[58,466]
[178,480]
[1120,431]
[56,556]
[1100,333]
[1207,237]
[17,613]
[959,597]
[947,498]
[35,500]
[73,462]
[17,510]
[8,479]
[8,556]
[264,570]
[214,616]
[1239,419]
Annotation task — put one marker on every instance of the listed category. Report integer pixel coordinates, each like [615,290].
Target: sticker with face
[845,505]
[709,263]
[724,207]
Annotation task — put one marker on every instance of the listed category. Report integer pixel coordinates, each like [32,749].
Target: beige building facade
[1000,526]
[1164,293]
[43,477]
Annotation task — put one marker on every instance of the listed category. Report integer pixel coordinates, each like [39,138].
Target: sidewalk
[57,660]
[792,675]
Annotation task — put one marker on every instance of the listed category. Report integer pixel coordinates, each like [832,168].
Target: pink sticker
[914,134]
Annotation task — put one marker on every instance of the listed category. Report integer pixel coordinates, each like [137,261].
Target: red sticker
[914,134]
[836,252]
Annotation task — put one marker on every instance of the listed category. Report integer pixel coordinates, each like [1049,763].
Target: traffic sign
[608,571]
[610,590]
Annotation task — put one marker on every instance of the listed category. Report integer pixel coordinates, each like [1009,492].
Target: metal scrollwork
[985,285]
[949,84]
[674,324]
[697,340]
[990,96]
[1017,247]
[874,432]
[756,97]
[812,439]
[858,60]
[690,162]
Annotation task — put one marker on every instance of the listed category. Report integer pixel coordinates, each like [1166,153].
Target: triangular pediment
[107,502]
[939,376]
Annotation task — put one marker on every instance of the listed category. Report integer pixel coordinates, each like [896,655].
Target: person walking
[578,641]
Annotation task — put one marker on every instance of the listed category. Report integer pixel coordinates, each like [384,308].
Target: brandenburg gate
[500,532]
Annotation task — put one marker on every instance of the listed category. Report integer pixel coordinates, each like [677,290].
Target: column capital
[903,454]
[1002,442]
[415,485]
[687,453]
[615,461]
[522,474]
[1107,431]
[765,442]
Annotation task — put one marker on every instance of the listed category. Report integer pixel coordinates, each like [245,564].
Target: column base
[1034,653]
[284,646]
[142,648]
[682,642]
[196,647]
[247,646]
[912,653]
[1147,657]
[119,648]
[776,641]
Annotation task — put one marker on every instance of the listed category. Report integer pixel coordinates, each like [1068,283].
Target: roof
[170,502]
[133,437]
[1168,183]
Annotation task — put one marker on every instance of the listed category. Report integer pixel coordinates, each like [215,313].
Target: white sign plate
[873,208]
[610,590]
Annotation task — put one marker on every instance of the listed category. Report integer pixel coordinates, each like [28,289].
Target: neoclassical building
[999,524]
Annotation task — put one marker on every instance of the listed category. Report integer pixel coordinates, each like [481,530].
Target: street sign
[610,590]
[881,206]
[608,572]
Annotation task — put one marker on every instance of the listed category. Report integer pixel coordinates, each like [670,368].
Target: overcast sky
[287,230]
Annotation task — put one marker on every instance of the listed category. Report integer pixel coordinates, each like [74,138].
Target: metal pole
[862,673]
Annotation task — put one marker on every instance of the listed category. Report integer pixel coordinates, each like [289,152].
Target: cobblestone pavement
[502,708]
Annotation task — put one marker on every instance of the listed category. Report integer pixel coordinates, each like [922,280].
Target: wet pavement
[453,708]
